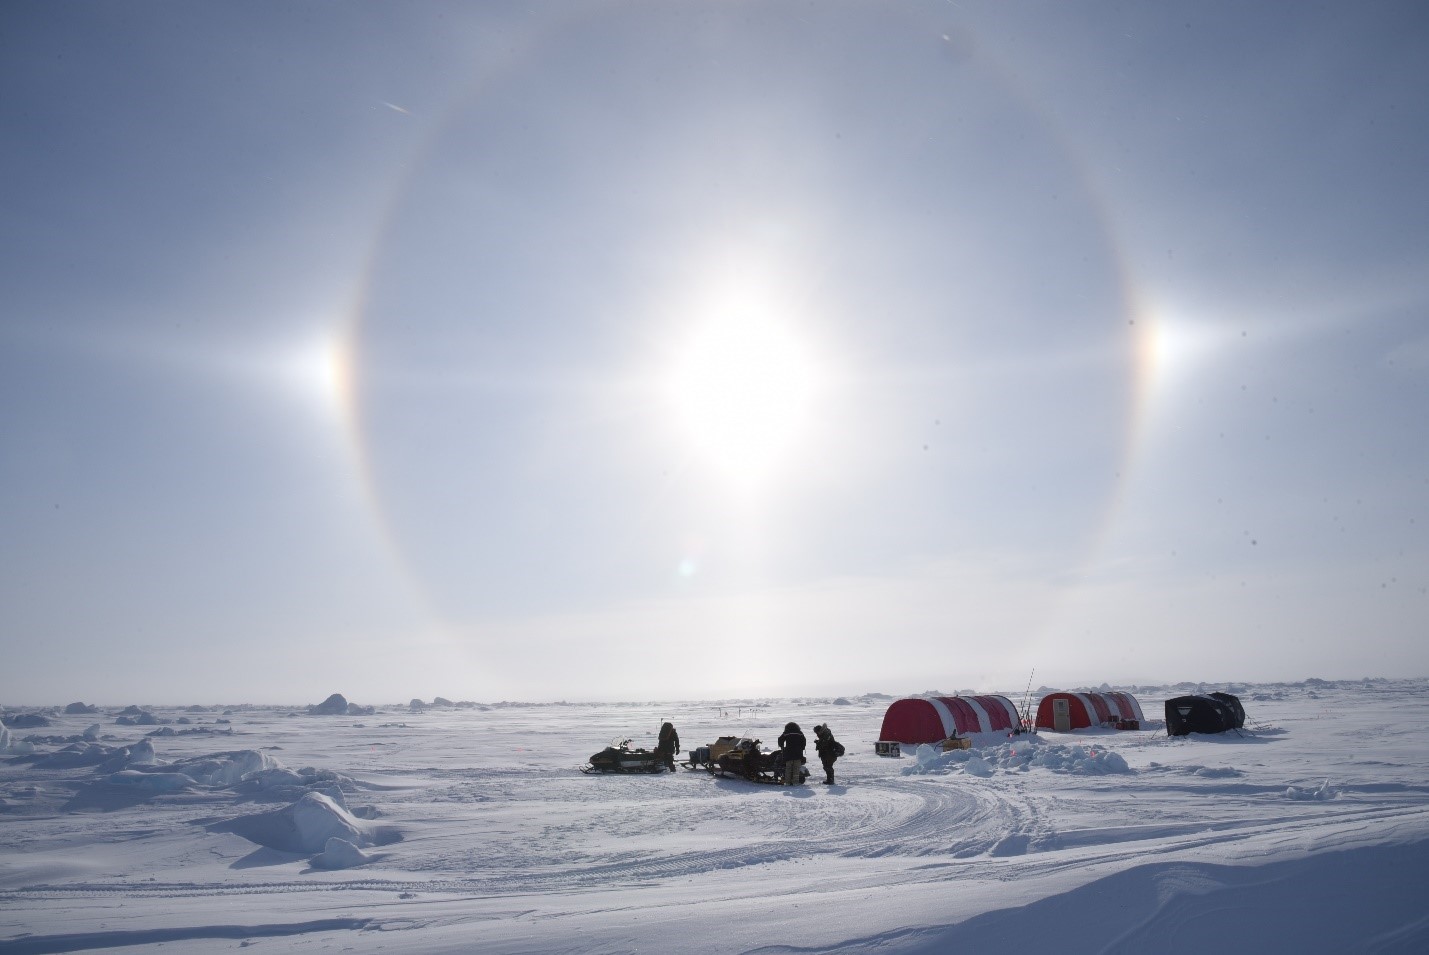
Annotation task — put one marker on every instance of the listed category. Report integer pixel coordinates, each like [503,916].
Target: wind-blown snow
[458,828]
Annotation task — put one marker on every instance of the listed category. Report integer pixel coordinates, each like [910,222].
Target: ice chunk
[9,746]
[316,819]
[335,705]
[305,826]
[226,769]
[1323,791]
[149,782]
[1018,756]
[340,854]
[977,766]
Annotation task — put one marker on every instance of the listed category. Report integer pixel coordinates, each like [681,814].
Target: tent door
[1061,716]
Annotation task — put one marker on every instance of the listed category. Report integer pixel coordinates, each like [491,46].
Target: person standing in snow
[829,749]
[668,745]
[791,748]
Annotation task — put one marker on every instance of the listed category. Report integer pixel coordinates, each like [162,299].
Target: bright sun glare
[320,369]
[740,390]
[1175,347]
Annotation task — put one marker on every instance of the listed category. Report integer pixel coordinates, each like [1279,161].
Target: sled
[704,757]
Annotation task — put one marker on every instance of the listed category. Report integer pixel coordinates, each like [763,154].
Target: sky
[709,350]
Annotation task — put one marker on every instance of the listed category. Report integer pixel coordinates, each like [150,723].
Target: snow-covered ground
[469,829]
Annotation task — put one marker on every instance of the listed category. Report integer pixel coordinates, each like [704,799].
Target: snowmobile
[746,761]
[618,757]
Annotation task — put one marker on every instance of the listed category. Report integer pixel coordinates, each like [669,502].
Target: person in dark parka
[829,749]
[668,745]
[791,747]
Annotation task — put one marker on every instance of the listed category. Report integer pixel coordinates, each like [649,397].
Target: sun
[740,391]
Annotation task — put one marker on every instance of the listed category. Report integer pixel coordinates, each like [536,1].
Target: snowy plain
[467,828]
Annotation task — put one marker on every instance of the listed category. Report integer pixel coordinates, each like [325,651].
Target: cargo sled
[746,761]
[704,757]
[618,757]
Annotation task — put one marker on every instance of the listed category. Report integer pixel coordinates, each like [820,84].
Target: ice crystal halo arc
[745,456]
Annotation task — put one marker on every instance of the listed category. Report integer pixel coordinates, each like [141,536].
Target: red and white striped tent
[1080,710]
[935,718]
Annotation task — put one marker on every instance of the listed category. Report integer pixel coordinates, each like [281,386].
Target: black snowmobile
[618,757]
[746,761]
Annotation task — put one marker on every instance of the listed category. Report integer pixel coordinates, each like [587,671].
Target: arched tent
[935,718]
[1211,713]
[1070,711]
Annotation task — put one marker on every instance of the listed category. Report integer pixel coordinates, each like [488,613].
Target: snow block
[340,854]
[304,827]
[137,781]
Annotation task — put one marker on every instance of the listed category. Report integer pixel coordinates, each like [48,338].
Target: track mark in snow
[80,941]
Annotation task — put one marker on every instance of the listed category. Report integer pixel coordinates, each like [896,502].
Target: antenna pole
[1027,700]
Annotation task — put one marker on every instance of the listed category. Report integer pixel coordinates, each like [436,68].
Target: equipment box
[957,742]
[1128,725]
[887,748]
